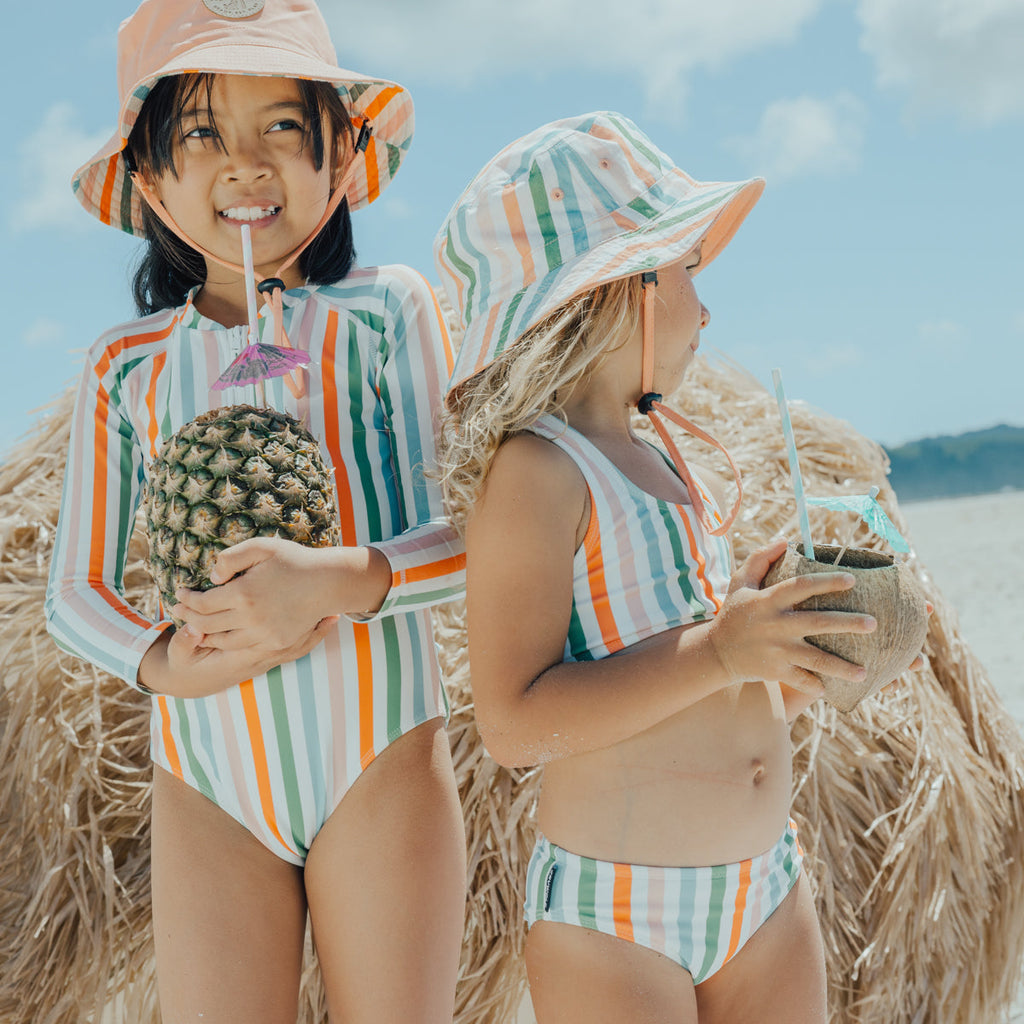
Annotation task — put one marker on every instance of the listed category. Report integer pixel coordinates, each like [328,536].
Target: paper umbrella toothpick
[257,361]
[870,511]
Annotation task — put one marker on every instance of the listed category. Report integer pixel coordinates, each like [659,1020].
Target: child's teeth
[248,212]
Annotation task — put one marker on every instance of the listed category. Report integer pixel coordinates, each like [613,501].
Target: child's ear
[145,185]
[140,180]
[343,152]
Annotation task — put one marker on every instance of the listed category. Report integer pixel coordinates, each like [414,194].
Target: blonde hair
[525,381]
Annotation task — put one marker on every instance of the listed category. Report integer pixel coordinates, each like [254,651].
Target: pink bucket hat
[575,204]
[286,38]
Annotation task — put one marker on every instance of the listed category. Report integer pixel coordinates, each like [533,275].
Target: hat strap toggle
[650,405]
[295,380]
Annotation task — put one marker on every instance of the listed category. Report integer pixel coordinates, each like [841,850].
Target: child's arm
[286,589]
[425,555]
[86,610]
[530,705]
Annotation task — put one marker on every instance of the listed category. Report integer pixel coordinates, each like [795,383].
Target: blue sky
[881,271]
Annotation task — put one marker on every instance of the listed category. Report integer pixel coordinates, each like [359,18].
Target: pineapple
[229,475]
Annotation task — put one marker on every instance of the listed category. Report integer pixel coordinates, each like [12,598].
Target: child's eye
[286,125]
[201,132]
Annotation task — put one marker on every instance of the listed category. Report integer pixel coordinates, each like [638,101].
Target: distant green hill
[978,462]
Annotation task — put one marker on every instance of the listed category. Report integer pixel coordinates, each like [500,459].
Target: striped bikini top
[645,565]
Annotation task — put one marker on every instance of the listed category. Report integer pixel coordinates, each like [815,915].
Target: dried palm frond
[911,808]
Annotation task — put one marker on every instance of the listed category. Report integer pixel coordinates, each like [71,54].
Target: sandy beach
[973,548]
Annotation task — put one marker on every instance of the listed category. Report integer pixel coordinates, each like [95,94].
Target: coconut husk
[883,588]
[910,807]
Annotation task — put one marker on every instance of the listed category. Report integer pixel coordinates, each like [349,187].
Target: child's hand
[264,596]
[181,665]
[273,592]
[759,634]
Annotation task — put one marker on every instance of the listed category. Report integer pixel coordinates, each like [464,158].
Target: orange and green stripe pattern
[279,751]
[700,917]
[645,564]
[574,204]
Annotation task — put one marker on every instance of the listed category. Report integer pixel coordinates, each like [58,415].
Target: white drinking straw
[250,284]
[250,300]
[794,467]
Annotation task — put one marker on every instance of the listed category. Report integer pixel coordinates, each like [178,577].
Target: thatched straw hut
[911,808]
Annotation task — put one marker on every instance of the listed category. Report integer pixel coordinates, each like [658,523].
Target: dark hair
[168,268]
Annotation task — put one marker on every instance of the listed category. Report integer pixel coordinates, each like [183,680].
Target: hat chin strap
[296,380]
[650,405]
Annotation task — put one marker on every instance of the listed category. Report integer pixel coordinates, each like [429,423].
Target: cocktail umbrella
[868,508]
[257,361]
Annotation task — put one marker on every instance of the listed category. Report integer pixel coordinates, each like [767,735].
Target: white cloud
[48,158]
[833,360]
[658,42]
[805,136]
[963,56]
[398,208]
[43,331]
[941,338]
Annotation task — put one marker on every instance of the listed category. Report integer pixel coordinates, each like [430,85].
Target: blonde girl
[300,759]
[609,638]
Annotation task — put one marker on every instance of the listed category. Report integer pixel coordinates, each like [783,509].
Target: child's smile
[253,215]
[246,160]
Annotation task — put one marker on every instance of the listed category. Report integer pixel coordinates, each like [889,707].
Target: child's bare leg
[386,885]
[579,976]
[778,977]
[229,916]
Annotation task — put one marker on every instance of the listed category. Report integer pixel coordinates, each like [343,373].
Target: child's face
[243,161]
[679,317]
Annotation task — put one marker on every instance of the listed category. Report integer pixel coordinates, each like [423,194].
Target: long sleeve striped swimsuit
[277,752]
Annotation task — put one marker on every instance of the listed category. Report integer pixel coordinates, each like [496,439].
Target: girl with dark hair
[301,764]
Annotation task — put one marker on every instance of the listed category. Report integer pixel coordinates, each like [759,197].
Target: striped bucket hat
[575,204]
[285,38]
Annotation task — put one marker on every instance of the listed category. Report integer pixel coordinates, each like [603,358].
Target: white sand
[974,550]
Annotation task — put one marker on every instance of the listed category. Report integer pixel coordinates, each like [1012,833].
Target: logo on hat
[235,8]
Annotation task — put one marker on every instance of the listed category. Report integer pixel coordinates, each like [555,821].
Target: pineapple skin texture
[227,476]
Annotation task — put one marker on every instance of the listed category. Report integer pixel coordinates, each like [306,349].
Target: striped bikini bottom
[698,916]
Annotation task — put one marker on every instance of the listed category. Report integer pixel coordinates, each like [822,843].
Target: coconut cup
[884,589]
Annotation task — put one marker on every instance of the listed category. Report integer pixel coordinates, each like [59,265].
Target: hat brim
[709,214]
[103,185]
